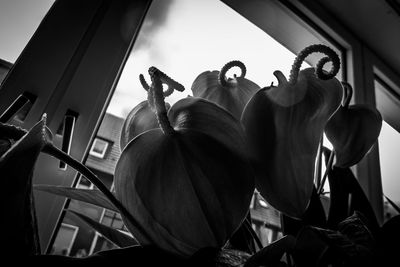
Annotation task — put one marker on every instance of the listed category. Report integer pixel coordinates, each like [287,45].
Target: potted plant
[187,173]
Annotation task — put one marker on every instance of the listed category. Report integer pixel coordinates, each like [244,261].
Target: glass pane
[389,145]
[65,239]
[177,39]
[183,44]
[103,244]
[388,103]
[18,22]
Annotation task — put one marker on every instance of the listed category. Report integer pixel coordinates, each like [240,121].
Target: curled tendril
[143,82]
[156,90]
[222,74]
[331,56]
[170,86]
[348,93]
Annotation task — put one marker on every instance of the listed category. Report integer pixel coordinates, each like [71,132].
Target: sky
[183,44]
[389,147]
[176,38]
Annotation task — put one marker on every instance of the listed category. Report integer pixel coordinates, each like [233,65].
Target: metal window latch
[16,106]
[68,131]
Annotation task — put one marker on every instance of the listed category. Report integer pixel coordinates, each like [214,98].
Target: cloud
[156,18]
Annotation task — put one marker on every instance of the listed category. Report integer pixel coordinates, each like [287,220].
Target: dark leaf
[310,248]
[20,234]
[356,229]
[314,216]
[242,239]
[352,245]
[86,195]
[353,130]
[347,196]
[190,151]
[284,124]
[272,254]
[113,235]
[5,144]
[388,248]
[129,256]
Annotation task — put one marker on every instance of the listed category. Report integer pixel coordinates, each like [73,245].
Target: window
[388,103]
[100,243]
[113,220]
[65,239]
[167,40]
[99,148]
[84,183]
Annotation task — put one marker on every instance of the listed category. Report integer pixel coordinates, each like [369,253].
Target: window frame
[97,154]
[75,233]
[95,37]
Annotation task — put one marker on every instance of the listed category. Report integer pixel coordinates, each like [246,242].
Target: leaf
[242,239]
[94,196]
[351,245]
[178,180]
[5,144]
[20,233]
[311,249]
[313,216]
[85,171]
[388,251]
[353,130]
[129,256]
[230,93]
[113,235]
[271,254]
[347,196]
[314,247]
[204,116]
[356,229]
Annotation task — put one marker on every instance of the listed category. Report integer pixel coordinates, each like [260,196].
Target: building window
[84,183]
[99,148]
[114,220]
[65,239]
[100,243]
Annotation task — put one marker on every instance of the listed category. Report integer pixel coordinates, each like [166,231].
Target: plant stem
[83,170]
[159,104]
[328,168]
[252,233]
[317,176]
[348,93]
